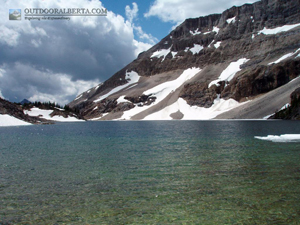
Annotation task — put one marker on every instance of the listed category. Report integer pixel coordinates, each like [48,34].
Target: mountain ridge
[260,33]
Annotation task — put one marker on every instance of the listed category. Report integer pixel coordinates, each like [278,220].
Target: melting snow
[122,99]
[285,57]
[196,49]
[278,29]
[78,97]
[231,20]
[46,115]
[217,45]
[160,53]
[194,112]
[215,29]
[281,138]
[195,32]
[161,91]
[229,72]
[132,77]
[7,120]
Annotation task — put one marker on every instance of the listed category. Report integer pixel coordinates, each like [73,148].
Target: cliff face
[242,53]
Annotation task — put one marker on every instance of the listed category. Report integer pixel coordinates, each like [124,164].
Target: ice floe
[7,120]
[161,91]
[132,78]
[229,72]
[280,138]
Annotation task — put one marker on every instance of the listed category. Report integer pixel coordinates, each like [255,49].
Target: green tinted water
[175,172]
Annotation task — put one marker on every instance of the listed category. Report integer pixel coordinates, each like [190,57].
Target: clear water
[172,172]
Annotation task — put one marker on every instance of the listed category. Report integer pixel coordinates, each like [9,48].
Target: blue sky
[57,60]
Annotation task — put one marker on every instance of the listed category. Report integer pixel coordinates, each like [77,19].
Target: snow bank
[285,57]
[161,91]
[217,45]
[7,120]
[229,72]
[132,77]
[231,20]
[278,29]
[281,138]
[43,113]
[161,53]
[215,29]
[195,32]
[196,49]
[194,112]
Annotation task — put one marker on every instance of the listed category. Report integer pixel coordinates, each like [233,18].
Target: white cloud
[131,14]
[59,59]
[176,11]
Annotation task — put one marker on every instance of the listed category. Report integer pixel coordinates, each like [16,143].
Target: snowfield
[161,91]
[132,78]
[229,72]
[280,138]
[7,120]
[46,115]
[277,30]
[194,112]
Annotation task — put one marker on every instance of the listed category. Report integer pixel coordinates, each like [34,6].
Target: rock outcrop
[12,109]
[292,111]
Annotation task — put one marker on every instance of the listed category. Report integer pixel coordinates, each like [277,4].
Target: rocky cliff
[207,67]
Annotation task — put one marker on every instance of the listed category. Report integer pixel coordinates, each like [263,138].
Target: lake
[150,172]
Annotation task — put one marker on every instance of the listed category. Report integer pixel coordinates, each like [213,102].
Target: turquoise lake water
[149,172]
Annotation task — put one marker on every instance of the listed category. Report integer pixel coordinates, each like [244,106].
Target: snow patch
[277,30]
[231,20]
[7,120]
[218,44]
[280,138]
[285,57]
[194,112]
[122,99]
[196,32]
[132,77]
[43,113]
[161,91]
[78,97]
[161,53]
[196,49]
[229,72]
[215,29]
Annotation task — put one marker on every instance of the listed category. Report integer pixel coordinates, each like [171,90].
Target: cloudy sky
[57,60]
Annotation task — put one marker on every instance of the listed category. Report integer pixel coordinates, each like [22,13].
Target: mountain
[241,64]
[25,101]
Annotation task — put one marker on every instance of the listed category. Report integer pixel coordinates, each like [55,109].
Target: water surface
[149,172]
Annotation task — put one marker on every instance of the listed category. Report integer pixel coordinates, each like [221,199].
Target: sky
[56,60]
